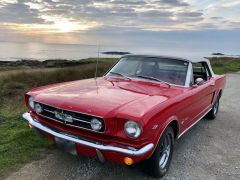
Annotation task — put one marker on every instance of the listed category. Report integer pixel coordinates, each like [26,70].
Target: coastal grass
[223,65]
[18,144]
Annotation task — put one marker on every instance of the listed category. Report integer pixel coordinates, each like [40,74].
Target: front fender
[160,130]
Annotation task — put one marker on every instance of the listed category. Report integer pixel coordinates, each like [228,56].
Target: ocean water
[10,51]
[37,51]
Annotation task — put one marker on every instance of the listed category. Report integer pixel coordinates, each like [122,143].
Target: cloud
[128,2]
[190,14]
[19,13]
[174,3]
[127,15]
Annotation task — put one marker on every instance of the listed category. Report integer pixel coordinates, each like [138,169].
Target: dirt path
[210,150]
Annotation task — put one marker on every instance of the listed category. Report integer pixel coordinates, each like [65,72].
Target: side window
[201,70]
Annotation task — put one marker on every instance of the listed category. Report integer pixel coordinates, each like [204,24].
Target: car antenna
[96,70]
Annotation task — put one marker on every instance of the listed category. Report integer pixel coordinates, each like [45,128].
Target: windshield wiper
[120,75]
[153,78]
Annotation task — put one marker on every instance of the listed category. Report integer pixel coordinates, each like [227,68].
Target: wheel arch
[220,93]
[174,124]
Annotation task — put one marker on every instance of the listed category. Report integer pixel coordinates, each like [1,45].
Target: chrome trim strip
[193,124]
[68,110]
[48,111]
[76,119]
[38,125]
[80,120]
[72,125]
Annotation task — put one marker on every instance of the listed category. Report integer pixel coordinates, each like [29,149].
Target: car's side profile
[133,114]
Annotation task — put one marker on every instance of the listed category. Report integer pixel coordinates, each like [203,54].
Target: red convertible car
[134,113]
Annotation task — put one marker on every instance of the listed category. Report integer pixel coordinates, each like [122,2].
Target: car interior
[201,70]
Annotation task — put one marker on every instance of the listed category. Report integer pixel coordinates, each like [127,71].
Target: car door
[202,94]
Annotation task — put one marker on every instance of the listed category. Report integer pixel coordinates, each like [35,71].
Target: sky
[198,23]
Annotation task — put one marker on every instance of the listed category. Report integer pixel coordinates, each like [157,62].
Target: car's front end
[79,129]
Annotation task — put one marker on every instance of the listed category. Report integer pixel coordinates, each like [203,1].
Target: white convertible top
[188,59]
[193,60]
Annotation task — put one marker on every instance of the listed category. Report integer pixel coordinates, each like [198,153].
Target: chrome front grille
[78,120]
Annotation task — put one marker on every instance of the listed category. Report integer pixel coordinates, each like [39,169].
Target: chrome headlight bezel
[132,129]
[31,102]
[96,124]
[38,108]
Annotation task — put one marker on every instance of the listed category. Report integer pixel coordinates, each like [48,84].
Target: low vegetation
[223,65]
[18,144]
[46,63]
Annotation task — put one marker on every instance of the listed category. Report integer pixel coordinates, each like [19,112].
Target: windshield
[172,71]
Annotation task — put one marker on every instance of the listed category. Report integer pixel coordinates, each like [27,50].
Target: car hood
[105,97]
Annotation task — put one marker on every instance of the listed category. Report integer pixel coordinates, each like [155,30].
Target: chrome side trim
[75,139]
[180,135]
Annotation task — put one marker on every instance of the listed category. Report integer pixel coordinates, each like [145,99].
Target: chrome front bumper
[75,139]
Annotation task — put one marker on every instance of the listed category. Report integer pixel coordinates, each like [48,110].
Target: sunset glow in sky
[84,21]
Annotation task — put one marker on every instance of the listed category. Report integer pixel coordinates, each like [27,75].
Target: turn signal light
[30,126]
[128,161]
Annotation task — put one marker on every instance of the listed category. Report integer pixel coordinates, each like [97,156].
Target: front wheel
[158,165]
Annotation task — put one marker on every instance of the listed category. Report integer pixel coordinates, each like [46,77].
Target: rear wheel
[158,165]
[213,113]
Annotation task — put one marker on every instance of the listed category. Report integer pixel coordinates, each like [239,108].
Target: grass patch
[18,144]
[10,68]
[223,65]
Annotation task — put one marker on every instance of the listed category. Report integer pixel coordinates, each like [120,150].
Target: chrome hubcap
[165,152]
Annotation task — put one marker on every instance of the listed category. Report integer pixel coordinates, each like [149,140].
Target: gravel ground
[210,150]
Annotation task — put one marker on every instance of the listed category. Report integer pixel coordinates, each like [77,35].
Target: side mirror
[199,81]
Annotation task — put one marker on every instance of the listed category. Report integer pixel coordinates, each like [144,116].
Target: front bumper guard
[75,139]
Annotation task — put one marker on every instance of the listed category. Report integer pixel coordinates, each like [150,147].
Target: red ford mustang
[134,113]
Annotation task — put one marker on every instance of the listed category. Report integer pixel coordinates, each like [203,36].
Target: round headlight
[31,102]
[38,108]
[96,124]
[132,129]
